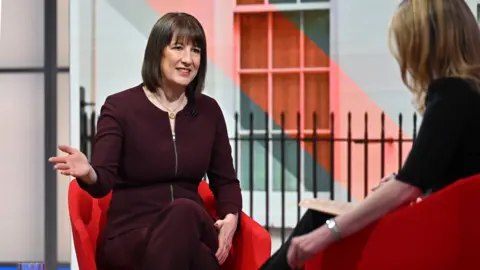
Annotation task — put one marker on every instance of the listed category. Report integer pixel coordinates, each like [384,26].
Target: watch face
[330,224]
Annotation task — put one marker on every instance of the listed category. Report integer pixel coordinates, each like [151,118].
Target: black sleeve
[445,121]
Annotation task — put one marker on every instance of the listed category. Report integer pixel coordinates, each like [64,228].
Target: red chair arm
[251,246]
[252,243]
[440,232]
[83,246]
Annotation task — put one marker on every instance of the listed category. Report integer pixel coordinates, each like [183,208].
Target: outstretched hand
[75,163]
[227,228]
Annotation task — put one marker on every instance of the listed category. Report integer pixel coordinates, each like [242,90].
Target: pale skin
[392,195]
[179,67]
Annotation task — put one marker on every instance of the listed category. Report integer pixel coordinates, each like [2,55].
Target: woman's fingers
[58,159]
[291,253]
[67,149]
[221,244]
[224,244]
[61,166]
[223,256]
[66,172]
[220,254]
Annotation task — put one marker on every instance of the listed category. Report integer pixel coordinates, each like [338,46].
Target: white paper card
[327,206]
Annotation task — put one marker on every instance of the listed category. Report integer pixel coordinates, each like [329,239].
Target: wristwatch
[332,226]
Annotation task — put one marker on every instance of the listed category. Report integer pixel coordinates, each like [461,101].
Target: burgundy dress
[156,219]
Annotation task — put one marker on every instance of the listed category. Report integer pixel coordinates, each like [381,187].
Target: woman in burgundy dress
[154,143]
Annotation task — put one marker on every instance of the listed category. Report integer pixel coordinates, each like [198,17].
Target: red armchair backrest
[91,212]
[441,232]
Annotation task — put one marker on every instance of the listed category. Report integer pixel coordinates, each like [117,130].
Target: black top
[447,147]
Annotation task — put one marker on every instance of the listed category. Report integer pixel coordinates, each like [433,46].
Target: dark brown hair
[184,27]
[432,39]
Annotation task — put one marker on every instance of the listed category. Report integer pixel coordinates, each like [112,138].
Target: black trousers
[309,222]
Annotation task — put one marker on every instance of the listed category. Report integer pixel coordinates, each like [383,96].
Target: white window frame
[259,197]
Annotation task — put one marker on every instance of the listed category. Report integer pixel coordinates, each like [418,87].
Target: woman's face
[180,62]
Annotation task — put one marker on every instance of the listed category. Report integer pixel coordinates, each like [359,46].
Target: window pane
[253,99]
[321,164]
[317,42]
[259,163]
[63,137]
[282,1]
[286,98]
[317,100]
[22,162]
[286,39]
[253,40]
[21,37]
[289,167]
[63,33]
[249,2]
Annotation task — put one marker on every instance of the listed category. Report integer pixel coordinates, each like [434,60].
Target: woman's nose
[187,58]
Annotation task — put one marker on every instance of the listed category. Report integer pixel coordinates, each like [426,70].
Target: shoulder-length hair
[183,27]
[432,39]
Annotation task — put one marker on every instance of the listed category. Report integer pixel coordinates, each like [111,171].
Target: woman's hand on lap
[304,247]
[226,228]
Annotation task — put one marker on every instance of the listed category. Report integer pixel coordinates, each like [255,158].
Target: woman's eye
[196,50]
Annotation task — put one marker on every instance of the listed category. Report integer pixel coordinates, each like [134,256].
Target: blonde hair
[432,39]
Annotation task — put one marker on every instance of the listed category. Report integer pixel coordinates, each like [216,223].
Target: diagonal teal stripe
[315,25]
[144,17]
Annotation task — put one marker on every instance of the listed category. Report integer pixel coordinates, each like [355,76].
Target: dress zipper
[171,193]
[176,155]
[176,162]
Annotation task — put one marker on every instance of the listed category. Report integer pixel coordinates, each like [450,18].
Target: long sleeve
[107,150]
[446,120]
[221,173]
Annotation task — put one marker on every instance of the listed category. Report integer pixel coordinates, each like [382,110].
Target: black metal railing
[88,120]
[313,181]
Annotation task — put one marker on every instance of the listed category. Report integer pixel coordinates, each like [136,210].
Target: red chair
[440,233]
[251,246]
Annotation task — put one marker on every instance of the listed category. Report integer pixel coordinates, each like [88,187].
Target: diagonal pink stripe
[346,96]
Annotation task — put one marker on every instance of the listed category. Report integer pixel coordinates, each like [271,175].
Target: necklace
[171,113]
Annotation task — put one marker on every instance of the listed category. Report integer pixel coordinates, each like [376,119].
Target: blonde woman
[437,46]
